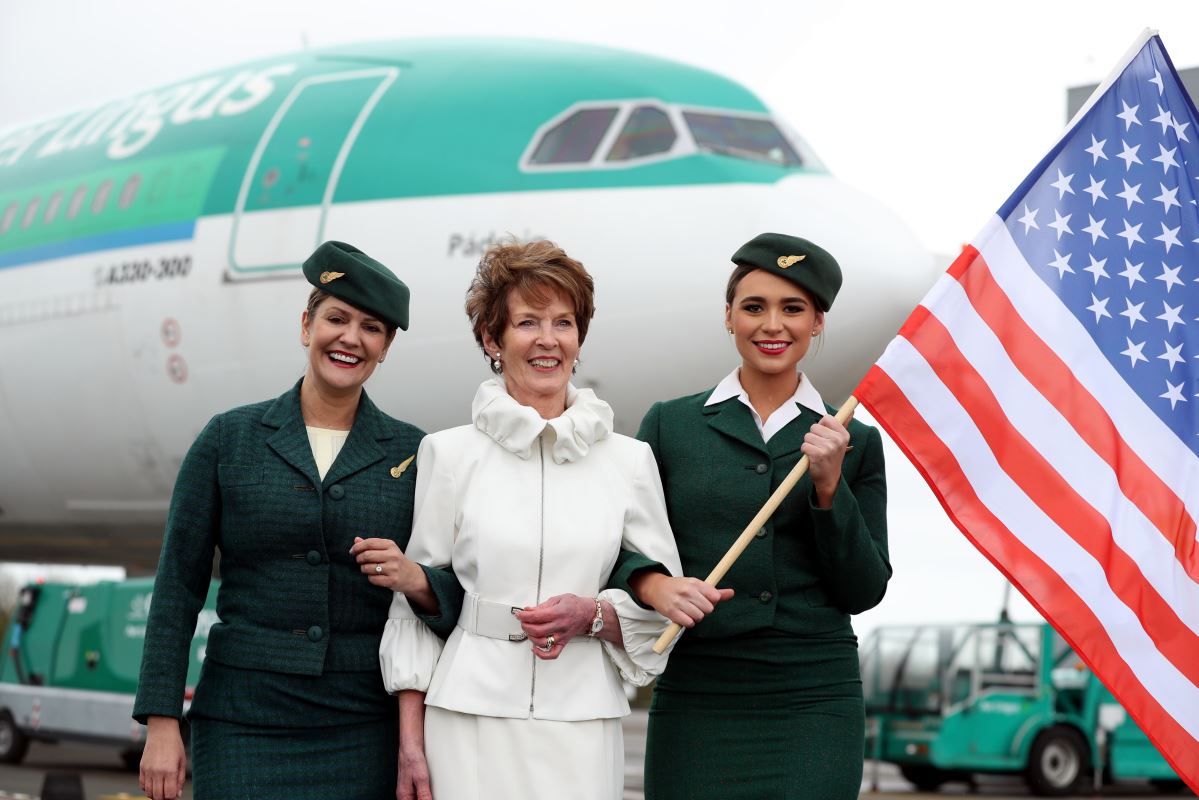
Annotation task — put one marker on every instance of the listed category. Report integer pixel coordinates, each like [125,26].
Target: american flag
[1048,390]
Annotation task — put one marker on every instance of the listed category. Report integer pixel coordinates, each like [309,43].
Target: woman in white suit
[529,507]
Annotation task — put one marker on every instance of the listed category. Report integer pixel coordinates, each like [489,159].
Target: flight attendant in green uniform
[308,499]
[762,698]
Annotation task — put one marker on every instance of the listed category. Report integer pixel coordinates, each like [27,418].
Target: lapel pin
[783,262]
[397,471]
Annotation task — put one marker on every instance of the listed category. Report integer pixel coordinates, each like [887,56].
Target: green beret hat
[349,274]
[797,260]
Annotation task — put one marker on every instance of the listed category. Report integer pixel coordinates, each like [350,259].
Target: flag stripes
[1050,593]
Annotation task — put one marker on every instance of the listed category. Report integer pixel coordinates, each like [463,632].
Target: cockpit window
[753,138]
[574,139]
[647,132]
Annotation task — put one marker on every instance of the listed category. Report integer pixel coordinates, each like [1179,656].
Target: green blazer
[291,599]
[810,568]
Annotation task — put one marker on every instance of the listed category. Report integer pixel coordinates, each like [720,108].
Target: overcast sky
[937,108]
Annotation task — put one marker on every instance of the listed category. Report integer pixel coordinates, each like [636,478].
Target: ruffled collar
[515,428]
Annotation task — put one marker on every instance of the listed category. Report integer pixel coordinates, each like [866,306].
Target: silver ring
[378,569]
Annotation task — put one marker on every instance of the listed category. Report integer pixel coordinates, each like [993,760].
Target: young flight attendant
[762,698]
[308,499]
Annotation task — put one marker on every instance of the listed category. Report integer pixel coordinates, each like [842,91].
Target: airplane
[150,250]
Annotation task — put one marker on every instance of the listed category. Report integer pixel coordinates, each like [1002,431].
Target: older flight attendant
[529,506]
[763,699]
[289,703]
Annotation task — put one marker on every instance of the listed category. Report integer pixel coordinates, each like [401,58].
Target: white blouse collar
[515,427]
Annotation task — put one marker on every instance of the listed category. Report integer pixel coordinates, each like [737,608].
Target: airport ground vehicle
[70,665]
[944,702]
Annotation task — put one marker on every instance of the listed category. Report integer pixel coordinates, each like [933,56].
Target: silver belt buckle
[516,637]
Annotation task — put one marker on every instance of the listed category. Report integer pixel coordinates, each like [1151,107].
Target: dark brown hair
[739,273]
[531,269]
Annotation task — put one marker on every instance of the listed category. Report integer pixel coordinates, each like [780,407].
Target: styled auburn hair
[531,269]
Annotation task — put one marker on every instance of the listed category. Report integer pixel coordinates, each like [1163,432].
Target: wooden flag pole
[755,525]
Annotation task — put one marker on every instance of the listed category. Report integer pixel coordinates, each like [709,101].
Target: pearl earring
[496,364]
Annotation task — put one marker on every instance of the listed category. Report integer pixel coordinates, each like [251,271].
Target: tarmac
[105,778]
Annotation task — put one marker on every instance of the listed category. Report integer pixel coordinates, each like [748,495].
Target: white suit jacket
[524,509]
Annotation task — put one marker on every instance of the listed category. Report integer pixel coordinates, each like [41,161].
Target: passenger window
[31,212]
[648,131]
[754,138]
[10,214]
[52,207]
[574,139]
[77,201]
[129,191]
[101,198]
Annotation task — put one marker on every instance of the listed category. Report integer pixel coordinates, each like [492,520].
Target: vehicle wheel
[1058,764]
[13,743]
[924,777]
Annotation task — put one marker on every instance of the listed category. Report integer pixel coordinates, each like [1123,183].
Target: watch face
[597,625]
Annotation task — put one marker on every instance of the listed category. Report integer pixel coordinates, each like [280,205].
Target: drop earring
[496,364]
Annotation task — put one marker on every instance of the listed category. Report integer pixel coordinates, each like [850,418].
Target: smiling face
[344,345]
[773,322]
[538,349]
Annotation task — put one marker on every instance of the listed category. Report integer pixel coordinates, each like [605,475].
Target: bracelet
[597,624]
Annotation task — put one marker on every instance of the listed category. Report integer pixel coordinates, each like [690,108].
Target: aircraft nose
[886,272]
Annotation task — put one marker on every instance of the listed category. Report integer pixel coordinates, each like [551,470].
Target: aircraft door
[288,187]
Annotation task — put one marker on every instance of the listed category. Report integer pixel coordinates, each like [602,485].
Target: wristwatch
[597,624]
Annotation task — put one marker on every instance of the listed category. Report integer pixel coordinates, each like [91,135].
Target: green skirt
[759,717]
[347,762]
[265,735]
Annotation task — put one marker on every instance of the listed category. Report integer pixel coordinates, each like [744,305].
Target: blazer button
[315,633]
[314,558]
[337,491]
[762,469]
[761,534]
[765,597]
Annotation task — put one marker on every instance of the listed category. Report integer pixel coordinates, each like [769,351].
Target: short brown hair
[529,268]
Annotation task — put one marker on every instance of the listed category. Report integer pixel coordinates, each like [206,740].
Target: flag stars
[1095,190]
[1097,268]
[1095,228]
[1029,220]
[1172,355]
[1062,264]
[1170,277]
[1099,308]
[1134,316]
[1096,150]
[1061,224]
[1171,315]
[1132,272]
[1131,233]
[1130,195]
[1180,130]
[1062,184]
[1134,353]
[1168,197]
[1168,237]
[1156,80]
[1129,155]
[1166,157]
[1173,394]
[1163,118]
[1129,115]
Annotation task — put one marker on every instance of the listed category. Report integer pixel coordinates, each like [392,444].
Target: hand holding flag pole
[776,498]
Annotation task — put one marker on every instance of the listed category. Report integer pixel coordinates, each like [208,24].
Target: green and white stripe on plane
[427,117]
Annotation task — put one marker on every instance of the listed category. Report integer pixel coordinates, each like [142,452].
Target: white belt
[493,620]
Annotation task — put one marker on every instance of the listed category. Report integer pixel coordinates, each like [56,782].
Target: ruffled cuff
[636,660]
[409,650]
